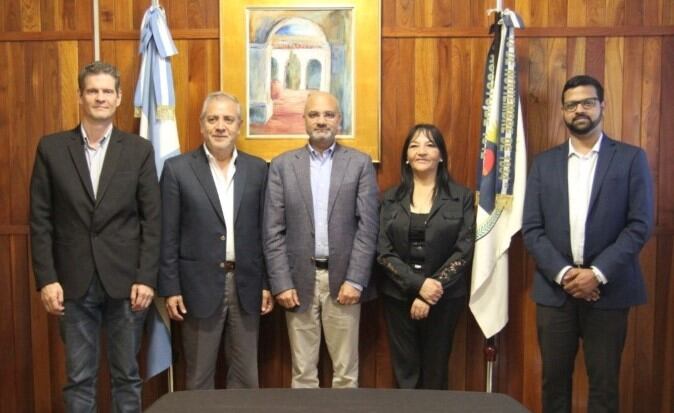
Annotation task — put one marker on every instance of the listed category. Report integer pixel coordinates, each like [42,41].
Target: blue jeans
[81,330]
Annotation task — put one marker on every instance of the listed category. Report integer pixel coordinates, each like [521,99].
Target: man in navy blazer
[95,228]
[588,212]
[212,268]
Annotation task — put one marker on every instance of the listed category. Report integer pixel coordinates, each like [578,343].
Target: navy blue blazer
[619,222]
[194,233]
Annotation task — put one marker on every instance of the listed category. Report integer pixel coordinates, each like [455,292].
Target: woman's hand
[431,291]
[419,309]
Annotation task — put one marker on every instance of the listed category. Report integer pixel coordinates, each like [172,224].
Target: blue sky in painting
[297,30]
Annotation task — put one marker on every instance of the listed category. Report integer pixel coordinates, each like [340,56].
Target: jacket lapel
[303,176]
[438,202]
[202,171]
[562,175]
[77,154]
[239,183]
[340,164]
[112,155]
[606,152]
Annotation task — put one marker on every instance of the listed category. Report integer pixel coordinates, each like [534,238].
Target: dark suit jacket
[194,233]
[619,222]
[449,242]
[289,238]
[74,235]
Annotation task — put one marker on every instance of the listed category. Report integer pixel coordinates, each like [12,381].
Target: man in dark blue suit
[588,212]
[212,268]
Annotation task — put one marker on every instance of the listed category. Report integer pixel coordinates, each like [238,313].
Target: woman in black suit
[426,240]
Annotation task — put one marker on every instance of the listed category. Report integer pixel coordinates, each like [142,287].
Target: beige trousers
[340,325]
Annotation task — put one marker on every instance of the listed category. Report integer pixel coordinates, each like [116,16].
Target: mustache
[581,117]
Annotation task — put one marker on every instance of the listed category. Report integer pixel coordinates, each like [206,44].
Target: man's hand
[431,290]
[267,302]
[288,299]
[141,296]
[419,310]
[175,307]
[348,294]
[570,275]
[52,298]
[582,285]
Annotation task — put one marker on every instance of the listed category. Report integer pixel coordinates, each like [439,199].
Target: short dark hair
[442,178]
[584,80]
[97,68]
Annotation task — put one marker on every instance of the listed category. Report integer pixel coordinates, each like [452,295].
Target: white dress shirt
[224,184]
[581,171]
[95,154]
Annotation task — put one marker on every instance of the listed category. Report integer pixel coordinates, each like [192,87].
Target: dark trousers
[81,330]
[420,349]
[603,334]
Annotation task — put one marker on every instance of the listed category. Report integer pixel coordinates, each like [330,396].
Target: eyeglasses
[588,103]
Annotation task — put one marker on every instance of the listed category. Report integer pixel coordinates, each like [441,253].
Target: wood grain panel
[426,78]
[433,60]
[665,214]
[613,86]
[8,355]
[5,96]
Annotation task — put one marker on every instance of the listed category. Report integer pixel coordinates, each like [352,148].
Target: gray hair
[219,95]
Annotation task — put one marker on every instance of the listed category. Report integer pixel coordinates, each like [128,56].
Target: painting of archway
[292,52]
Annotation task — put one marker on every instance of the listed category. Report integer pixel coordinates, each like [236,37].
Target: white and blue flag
[501,179]
[154,103]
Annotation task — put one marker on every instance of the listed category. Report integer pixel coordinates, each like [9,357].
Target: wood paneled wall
[433,60]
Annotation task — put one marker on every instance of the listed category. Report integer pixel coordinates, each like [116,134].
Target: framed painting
[273,54]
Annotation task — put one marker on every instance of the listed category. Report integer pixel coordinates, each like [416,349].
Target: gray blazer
[194,233]
[353,224]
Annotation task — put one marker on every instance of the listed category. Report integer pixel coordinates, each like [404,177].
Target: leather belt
[228,265]
[320,263]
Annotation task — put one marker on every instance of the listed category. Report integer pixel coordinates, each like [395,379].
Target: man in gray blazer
[212,268]
[95,227]
[320,233]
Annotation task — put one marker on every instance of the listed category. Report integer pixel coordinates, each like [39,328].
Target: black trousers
[603,334]
[420,349]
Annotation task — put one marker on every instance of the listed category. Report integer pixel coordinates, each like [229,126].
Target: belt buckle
[320,263]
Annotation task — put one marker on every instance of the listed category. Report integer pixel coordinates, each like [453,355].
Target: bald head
[322,119]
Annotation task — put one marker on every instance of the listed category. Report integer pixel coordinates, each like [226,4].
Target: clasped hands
[430,292]
[581,283]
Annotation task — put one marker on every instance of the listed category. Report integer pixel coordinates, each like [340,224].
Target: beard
[583,130]
[326,136]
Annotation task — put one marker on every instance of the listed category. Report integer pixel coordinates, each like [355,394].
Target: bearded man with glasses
[588,212]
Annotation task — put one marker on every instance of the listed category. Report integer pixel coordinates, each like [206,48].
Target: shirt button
[222,237]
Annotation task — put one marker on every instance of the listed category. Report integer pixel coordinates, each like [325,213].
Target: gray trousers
[201,342]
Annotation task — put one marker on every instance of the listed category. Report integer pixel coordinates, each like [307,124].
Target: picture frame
[274,53]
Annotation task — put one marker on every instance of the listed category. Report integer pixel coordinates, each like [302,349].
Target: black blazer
[74,235]
[194,233]
[449,242]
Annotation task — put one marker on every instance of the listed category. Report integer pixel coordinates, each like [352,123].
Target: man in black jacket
[95,228]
